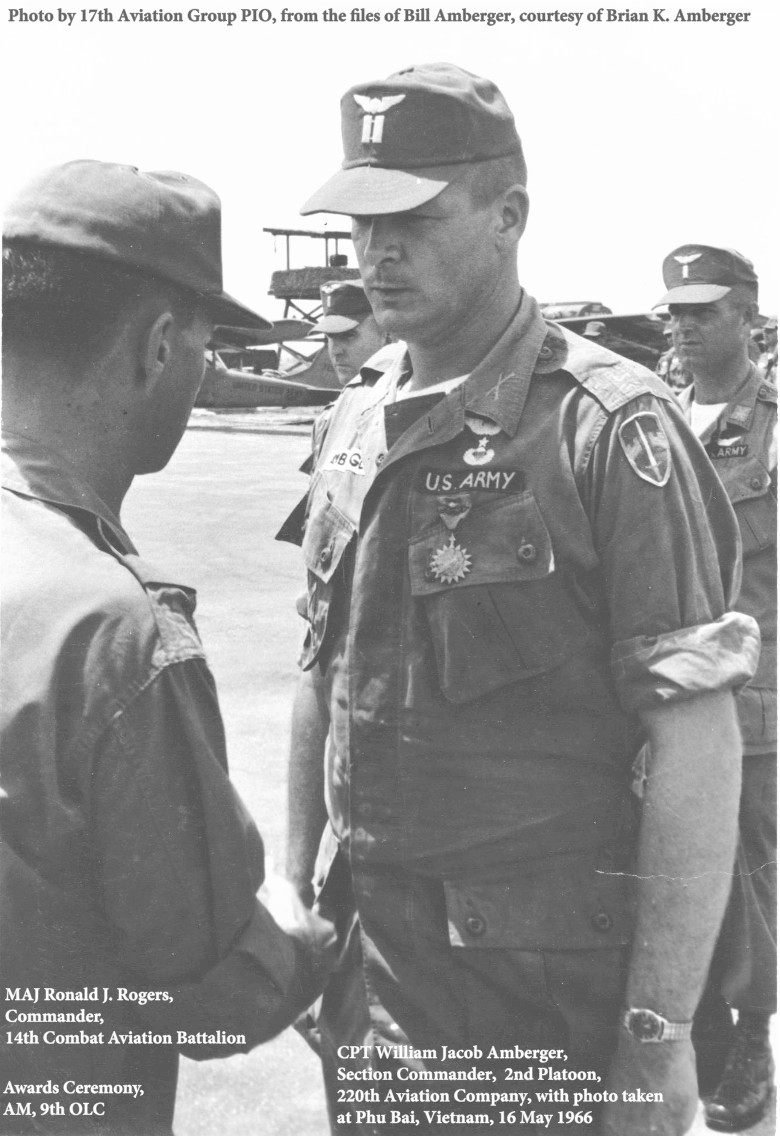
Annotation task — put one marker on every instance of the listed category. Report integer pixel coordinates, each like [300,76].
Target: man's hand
[666,1068]
[280,898]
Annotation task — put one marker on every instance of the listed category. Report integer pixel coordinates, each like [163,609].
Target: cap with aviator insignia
[702,274]
[406,136]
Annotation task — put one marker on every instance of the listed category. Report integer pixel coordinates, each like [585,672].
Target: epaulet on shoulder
[150,577]
[612,380]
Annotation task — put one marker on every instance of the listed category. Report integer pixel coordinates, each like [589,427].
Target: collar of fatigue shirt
[739,409]
[32,470]
[498,386]
[496,389]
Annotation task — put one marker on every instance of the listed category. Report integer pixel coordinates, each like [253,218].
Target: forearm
[685,864]
[306,812]
[686,851]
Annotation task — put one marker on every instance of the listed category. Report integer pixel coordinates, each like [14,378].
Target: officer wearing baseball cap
[406,137]
[712,297]
[350,328]
[486,650]
[127,858]
[702,274]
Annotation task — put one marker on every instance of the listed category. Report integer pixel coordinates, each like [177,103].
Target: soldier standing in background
[712,298]
[349,326]
[669,368]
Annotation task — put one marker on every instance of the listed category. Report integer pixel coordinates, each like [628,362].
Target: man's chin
[395,321]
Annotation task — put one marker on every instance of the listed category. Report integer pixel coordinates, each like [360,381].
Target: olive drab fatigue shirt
[497,583]
[126,858]
[742,445]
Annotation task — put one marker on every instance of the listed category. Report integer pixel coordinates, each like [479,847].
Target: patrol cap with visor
[702,274]
[164,224]
[408,136]
[344,306]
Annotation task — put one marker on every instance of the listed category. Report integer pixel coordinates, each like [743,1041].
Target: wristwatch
[646,1025]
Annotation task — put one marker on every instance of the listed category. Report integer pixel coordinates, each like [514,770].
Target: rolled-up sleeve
[670,555]
[653,669]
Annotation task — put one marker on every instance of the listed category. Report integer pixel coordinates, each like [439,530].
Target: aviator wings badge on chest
[483,453]
[646,446]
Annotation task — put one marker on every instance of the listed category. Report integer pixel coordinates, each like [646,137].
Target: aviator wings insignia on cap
[685,261]
[374,111]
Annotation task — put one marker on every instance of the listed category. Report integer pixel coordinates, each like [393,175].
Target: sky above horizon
[639,136]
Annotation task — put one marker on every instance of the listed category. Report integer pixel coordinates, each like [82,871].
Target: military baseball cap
[701,274]
[344,305]
[408,136]
[166,224]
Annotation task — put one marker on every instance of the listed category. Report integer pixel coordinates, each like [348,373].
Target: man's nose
[380,241]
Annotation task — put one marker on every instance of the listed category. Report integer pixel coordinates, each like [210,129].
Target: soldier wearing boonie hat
[479,506]
[127,857]
[712,297]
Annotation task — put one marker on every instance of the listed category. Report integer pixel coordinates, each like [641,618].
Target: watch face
[645,1025]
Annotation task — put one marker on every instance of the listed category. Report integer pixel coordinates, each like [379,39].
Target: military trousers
[401,989]
[744,966]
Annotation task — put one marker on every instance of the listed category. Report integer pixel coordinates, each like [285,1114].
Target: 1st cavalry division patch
[647,448]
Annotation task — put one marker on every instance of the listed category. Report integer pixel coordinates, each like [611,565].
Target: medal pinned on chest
[452,562]
[449,564]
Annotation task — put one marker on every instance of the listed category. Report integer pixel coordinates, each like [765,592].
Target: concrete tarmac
[209,519]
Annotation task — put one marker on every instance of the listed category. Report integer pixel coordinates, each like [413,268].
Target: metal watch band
[648,1026]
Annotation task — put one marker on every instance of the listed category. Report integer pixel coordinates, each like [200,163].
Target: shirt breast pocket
[754,497]
[326,538]
[510,616]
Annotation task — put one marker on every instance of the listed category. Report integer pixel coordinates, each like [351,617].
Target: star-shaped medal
[450,563]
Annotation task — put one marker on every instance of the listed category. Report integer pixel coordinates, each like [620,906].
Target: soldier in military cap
[126,857]
[712,299]
[669,367]
[348,323]
[510,578]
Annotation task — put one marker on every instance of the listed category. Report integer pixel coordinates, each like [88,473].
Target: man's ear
[155,348]
[513,204]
